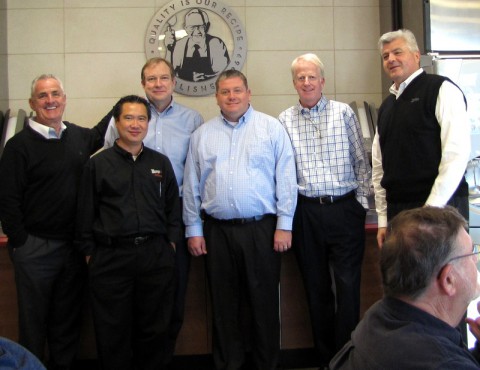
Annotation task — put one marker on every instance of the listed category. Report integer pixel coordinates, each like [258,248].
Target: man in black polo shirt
[128,224]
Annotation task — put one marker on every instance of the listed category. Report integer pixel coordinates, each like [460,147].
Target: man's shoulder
[338,104]
[153,154]
[181,108]
[217,120]
[73,128]
[289,111]
[265,117]
[430,79]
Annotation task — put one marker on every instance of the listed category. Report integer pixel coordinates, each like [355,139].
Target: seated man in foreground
[429,274]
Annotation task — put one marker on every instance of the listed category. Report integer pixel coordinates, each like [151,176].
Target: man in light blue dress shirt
[240,178]
[169,133]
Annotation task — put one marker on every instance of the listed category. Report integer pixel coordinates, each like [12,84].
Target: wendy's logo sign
[201,38]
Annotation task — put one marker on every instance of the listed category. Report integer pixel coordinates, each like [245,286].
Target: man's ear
[447,280]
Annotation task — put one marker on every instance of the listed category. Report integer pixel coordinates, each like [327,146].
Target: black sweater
[410,140]
[39,181]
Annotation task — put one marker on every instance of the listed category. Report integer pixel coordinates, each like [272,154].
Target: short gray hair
[405,34]
[45,77]
[309,57]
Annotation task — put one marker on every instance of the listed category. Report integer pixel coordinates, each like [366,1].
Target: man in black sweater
[422,144]
[40,171]
[429,276]
[128,224]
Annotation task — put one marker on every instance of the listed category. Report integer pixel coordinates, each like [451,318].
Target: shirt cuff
[382,221]
[193,230]
[284,223]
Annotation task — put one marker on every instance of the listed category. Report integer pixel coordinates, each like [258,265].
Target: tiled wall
[97,48]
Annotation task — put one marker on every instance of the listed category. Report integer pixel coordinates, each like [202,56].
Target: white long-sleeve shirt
[455,139]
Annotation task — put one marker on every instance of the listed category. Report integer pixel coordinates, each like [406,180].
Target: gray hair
[309,57]
[45,77]
[405,34]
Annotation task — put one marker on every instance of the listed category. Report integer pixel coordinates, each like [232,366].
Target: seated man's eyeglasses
[475,252]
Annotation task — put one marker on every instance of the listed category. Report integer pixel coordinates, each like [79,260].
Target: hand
[474,324]
[197,246]
[381,235]
[282,240]
[169,40]
[173,246]
[87,259]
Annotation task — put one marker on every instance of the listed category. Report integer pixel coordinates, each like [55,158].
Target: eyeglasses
[475,252]
[190,29]
[153,79]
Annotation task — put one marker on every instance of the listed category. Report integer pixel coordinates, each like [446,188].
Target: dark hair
[117,108]
[419,243]
[230,73]
[155,61]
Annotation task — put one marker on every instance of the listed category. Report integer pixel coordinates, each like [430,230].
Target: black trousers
[50,276]
[182,269]
[242,267]
[329,242]
[132,289]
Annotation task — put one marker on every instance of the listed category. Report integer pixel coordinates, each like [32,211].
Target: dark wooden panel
[195,336]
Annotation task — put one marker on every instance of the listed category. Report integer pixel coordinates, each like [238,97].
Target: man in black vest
[422,144]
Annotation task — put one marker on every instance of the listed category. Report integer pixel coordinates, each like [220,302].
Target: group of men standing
[251,187]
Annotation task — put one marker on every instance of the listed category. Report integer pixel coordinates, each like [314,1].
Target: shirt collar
[125,153]
[242,119]
[397,92]
[320,106]
[45,131]
[165,111]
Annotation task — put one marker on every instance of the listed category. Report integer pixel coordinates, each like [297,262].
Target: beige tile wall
[97,48]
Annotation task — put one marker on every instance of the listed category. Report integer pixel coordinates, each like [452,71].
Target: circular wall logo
[201,38]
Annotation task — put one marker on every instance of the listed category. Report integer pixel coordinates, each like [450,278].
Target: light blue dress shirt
[238,171]
[168,133]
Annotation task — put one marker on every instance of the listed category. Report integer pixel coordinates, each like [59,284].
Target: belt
[236,221]
[328,199]
[136,239]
